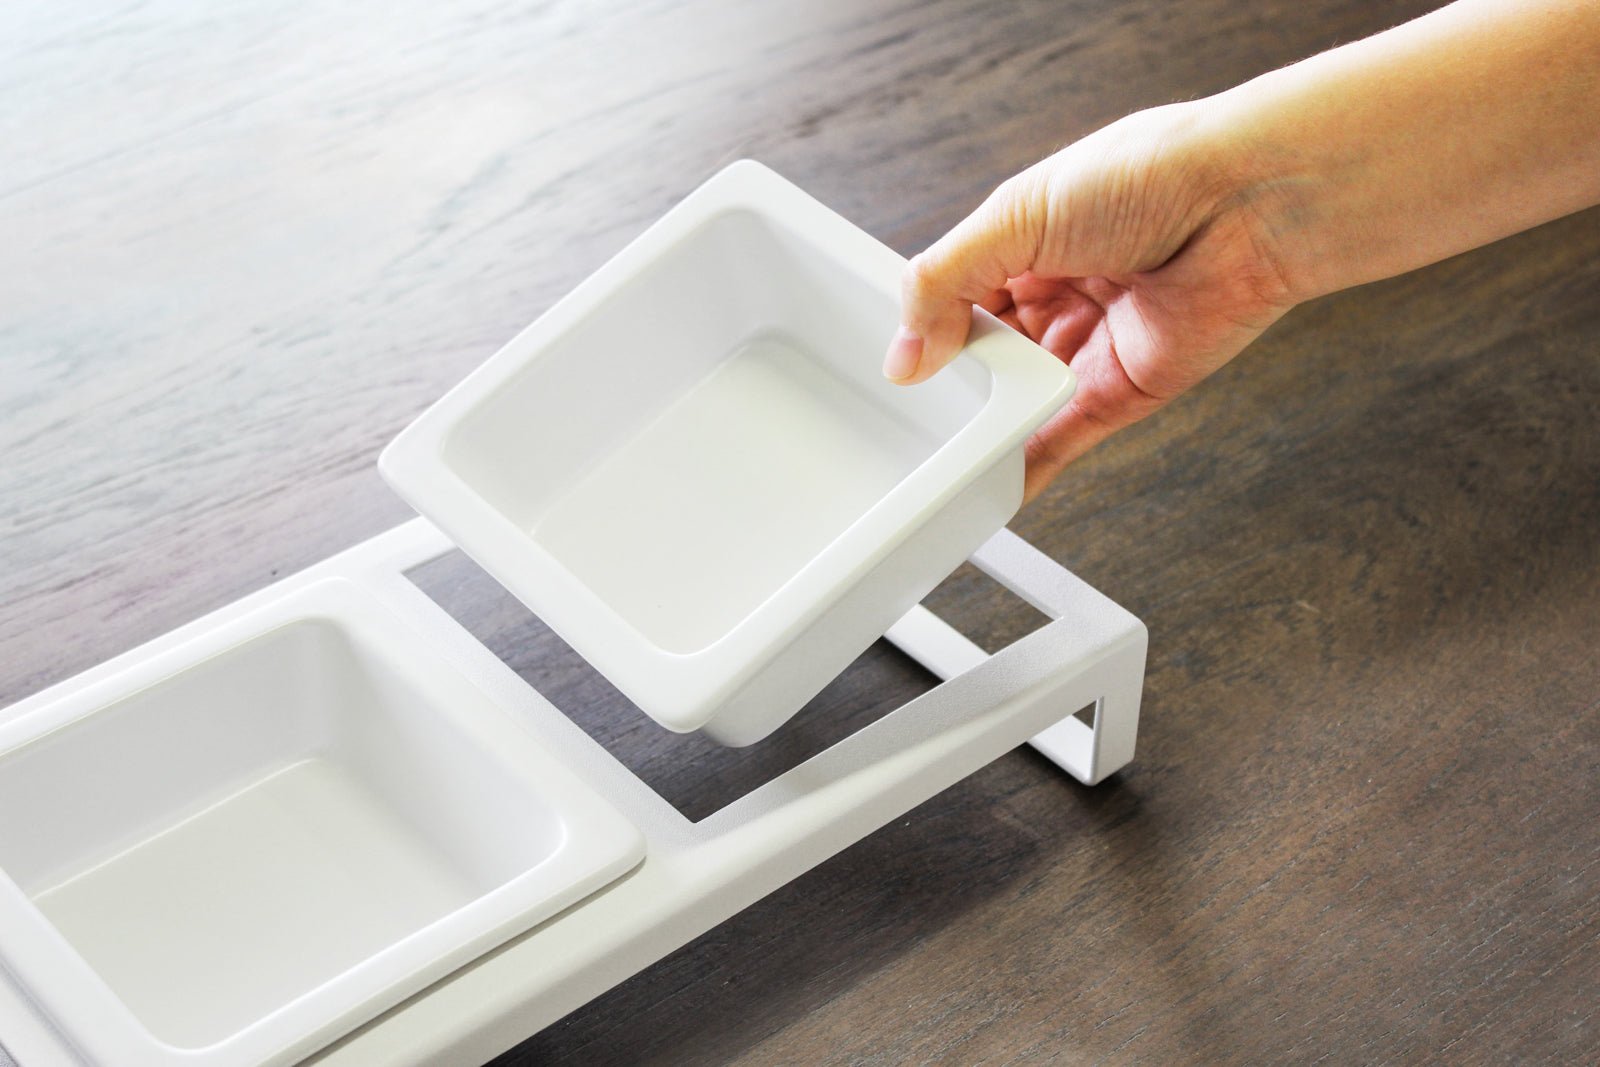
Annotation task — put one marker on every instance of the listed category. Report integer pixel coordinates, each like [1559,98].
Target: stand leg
[1088,753]
[1091,754]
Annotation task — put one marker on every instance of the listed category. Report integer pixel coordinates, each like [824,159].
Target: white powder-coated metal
[694,875]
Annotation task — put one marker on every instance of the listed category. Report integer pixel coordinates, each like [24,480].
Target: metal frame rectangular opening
[693,774]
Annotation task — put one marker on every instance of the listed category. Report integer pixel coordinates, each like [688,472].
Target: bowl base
[785,455]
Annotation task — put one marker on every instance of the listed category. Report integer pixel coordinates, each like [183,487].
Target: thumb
[969,265]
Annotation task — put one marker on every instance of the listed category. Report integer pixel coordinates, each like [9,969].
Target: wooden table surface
[241,246]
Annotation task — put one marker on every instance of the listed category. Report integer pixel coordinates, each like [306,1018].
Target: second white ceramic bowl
[231,852]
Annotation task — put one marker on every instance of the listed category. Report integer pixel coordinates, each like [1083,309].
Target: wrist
[1267,185]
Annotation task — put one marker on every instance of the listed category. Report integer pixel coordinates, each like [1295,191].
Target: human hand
[1132,255]
[1148,254]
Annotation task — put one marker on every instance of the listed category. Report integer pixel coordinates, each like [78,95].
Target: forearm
[1462,127]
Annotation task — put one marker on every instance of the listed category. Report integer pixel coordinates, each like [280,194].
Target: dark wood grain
[241,246]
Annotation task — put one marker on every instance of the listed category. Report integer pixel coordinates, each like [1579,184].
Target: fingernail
[905,352]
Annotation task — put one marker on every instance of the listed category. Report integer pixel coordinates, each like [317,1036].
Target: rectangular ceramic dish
[693,470]
[233,851]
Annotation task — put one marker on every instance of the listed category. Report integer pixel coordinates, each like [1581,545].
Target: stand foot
[1090,752]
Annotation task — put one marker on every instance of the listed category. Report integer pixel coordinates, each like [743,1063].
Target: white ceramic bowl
[235,851]
[693,470]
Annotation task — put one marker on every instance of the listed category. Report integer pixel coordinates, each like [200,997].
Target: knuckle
[1020,192]
[922,273]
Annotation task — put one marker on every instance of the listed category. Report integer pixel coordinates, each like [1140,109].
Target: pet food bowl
[693,470]
[235,850]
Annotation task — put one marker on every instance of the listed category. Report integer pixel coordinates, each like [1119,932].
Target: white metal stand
[697,874]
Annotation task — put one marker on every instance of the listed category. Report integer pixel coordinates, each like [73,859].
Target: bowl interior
[245,830]
[686,448]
